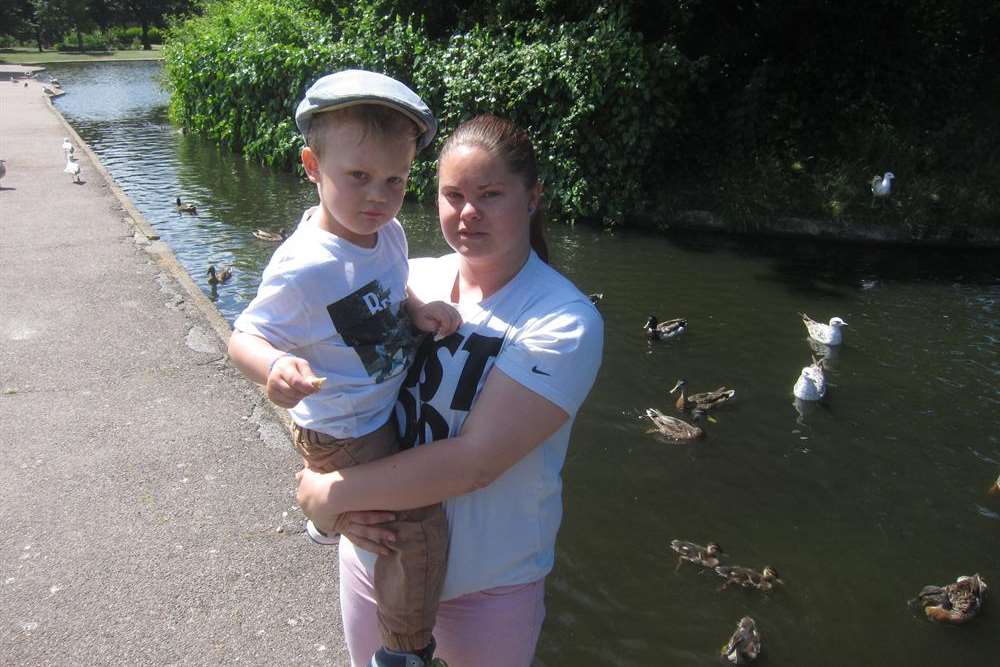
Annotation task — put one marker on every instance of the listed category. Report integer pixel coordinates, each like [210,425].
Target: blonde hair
[376,120]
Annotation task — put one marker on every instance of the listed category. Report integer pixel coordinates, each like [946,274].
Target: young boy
[330,331]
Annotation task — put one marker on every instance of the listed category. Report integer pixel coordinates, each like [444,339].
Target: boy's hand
[290,380]
[438,317]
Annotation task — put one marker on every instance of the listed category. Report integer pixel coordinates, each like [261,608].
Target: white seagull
[828,334]
[72,168]
[67,146]
[882,186]
[811,385]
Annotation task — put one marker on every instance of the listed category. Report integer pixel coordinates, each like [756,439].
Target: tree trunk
[146,46]
[79,40]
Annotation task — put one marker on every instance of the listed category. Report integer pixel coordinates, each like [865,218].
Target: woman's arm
[506,423]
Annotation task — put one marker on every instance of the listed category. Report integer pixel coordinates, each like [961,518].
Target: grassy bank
[27,56]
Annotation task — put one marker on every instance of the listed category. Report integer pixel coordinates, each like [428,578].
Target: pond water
[858,502]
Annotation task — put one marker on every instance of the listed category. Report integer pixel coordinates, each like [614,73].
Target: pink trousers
[494,628]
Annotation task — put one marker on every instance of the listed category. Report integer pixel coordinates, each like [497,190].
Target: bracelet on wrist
[270,368]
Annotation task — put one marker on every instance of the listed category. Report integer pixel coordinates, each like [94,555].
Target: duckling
[955,603]
[707,556]
[748,578]
[220,276]
[811,385]
[596,297]
[745,644]
[676,429]
[828,334]
[881,186]
[703,401]
[656,330]
[185,207]
[272,237]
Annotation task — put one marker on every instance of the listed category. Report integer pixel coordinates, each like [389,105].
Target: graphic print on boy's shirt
[382,339]
[420,421]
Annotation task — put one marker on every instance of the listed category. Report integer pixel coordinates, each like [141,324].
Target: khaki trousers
[408,580]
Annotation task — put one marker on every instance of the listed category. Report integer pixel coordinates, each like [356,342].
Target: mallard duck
[596,297]
[707,556]
[185,207]
[955,603]
[703,401]
[993,490]
[748,578]
[744,645]
[272,237]
[656,330]
[220,276]
[811,385]
[881,186]
[676,429]
[72,168]
[828,334]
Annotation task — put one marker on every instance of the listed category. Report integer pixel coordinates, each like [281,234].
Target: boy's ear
[310,162]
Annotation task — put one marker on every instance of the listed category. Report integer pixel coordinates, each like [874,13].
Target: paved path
[142,479]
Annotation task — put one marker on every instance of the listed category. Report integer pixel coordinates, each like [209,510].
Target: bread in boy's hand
[316,382]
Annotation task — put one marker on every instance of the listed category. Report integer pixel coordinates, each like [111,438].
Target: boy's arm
[287,379]
[437,316]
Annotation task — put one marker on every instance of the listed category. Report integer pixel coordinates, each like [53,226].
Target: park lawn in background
[30,56]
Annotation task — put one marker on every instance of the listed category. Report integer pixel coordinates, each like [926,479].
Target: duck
[676,429]
[881,186]
[272,237]
[955,603]
[993,490]
[828,334]
[220,276]
[744,645]
[656,330]
[748,578]
[703,401]
[67,146]
[72,168]
[185,207]
[596,297]
[811,385]
[707,556]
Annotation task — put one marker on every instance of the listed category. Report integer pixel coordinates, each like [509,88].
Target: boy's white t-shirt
[341,308]
[542,332]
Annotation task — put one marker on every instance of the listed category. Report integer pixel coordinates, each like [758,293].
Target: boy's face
[361,180]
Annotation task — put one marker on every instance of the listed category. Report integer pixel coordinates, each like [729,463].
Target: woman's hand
[437,317]
[362,527]
[290,380]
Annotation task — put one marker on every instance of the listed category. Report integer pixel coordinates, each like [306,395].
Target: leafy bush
[131,37]
[92,41]
[598,103]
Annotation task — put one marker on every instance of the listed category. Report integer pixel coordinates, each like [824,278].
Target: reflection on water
[858,500]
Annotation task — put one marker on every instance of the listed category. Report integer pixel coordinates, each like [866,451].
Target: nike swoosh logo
[534,369]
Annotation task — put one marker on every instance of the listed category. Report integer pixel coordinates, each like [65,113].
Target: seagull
[3,168]
[881,186]
[828,334]
[67,146]
[72,168]
[811,385]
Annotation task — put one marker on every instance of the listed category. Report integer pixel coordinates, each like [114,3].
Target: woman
[491,408]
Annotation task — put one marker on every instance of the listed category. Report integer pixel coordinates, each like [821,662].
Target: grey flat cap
[355,86]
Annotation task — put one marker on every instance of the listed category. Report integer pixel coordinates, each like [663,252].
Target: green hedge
[599,103]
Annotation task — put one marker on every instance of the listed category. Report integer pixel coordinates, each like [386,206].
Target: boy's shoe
[318,536]
[388,658]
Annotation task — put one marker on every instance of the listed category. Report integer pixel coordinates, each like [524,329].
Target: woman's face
[484,207]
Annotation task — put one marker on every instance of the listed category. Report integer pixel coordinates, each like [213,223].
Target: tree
[48,21]
[151,12]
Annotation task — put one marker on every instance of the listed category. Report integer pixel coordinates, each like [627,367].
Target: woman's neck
[479,280]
